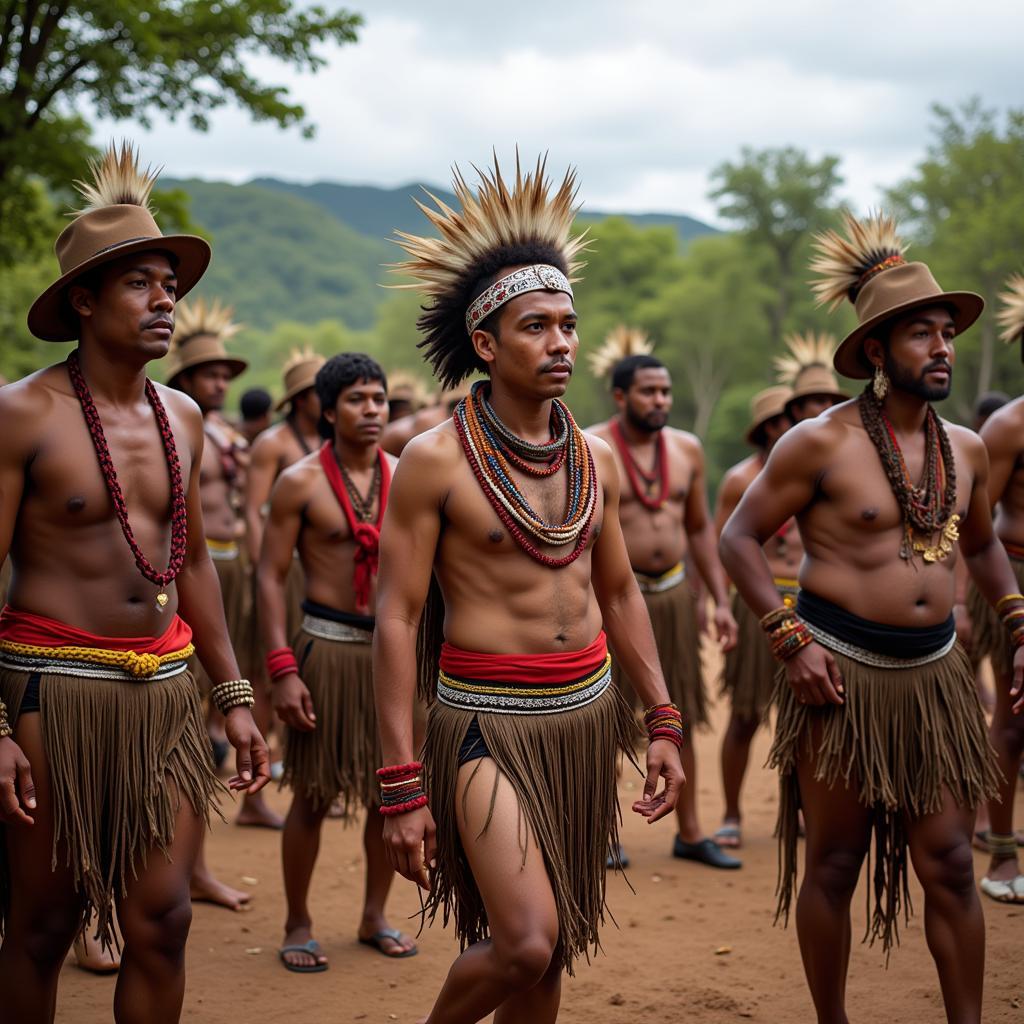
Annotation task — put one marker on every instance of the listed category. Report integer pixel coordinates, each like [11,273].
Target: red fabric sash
[365,535]
[39,631]
[524,668]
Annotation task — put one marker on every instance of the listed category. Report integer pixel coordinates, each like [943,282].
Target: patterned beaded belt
[222,550]
[511,698]
[93,662]
[866,657]
[668,580]
[788,588]
[326,629]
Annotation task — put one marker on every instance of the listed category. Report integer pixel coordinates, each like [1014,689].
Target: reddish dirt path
[665,963]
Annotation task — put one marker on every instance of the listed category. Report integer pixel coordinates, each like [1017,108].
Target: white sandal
[1003,891]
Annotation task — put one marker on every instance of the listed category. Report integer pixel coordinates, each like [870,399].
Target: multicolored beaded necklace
[635,472]
[493,450]
[179,518]
[927,507]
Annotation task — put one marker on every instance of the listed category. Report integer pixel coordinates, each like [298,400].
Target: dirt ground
[691,945]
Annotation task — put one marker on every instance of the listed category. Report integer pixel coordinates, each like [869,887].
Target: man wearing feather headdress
[879,729]
[665,522]
[807,370]
[105,772]
[514,513]
[1003,434]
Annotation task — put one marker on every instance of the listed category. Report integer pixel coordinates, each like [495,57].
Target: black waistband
[323,611]
[892,641]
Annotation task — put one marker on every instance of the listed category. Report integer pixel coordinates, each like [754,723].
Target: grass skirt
[989,638]
[236,597]
[748,677]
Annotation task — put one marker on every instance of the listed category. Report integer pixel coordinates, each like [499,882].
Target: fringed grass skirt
[341,755]
[562,767]
[235,597]
[903,738]
[294,594]
[989,638]
[122,755]
[748,678]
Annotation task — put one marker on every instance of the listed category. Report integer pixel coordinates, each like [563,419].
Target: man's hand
[411,842]
[252,759]
[726,630]
[293,703]
[17,791]
[662,762]
[964,626]
[1017,688]
[814,676]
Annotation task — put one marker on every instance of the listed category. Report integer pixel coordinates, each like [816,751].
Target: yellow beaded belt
[222,550]
[93,662]
[668,580]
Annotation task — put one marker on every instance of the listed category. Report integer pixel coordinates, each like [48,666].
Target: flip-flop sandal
[1002,891]
[376,941]
[728,832]
[705,852]
[312,948]
[617,861]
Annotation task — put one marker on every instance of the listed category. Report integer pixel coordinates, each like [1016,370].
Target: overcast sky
[644,97]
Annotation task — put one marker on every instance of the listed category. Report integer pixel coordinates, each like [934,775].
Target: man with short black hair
[254,407]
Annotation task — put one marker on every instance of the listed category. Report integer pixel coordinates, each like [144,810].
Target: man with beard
[664,515]
[513,512]
[105,774]
[749,673]
[329,506]
[879,732]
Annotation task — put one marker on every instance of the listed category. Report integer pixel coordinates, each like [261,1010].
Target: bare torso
[220,476]
[1004,438]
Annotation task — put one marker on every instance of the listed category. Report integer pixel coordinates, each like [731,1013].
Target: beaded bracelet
[786,633]
[664,722]
[232,694]
[281,662]
[1012,617]
[5,726]
[1007,599]
[401,788]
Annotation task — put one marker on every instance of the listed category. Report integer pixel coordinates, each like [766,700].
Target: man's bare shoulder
[742,473]
[685,441]
[438,448]
[177,403]
[814,442]
[967,440]
[602,430]
[1005,427]
[35,393]
[270,441]
[297,479]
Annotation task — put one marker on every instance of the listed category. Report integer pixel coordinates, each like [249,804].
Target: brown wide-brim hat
[102,235]
[894,293]
[205,348]
[815,380]
[765,406]
[300,377]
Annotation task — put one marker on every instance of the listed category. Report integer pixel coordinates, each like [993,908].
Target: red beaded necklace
[635,471]
[179,518]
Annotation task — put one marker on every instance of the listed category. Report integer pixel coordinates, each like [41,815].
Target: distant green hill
[377,212]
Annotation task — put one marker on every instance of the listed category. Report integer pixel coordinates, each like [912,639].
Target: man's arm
[730,490]
[259,480]
[628,626]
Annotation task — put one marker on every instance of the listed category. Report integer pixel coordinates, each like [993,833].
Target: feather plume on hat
[117,180]
[805,350]
[194,320]
[620,343]
[1011,316]
[845,264]
[299,356]
[498,226]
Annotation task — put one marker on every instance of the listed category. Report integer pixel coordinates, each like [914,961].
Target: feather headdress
[498,227]
[117,180]
[621,343]
[845,264]
[1011,316]
[299,357]
[199,318]
[805,350]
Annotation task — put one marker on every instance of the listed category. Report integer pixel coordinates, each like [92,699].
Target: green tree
[128,59]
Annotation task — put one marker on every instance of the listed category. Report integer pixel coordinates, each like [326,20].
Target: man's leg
[512,972]
[735,754]
[300,845]
[379,876]
[155,916]
[838,834]
[1007,737]
[940,849]
[45,910]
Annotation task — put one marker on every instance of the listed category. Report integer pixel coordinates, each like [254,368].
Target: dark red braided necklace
[179,518]
[635,470]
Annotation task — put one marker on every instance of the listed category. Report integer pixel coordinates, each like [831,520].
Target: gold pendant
[938,552]
[162,599]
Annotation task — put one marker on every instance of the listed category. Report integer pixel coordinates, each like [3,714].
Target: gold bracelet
[1006,599]
[5,726]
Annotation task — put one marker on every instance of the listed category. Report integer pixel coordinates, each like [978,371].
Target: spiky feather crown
[621,343]
[299,356]
[497,227]
[1011,316]
[117,180]
[200,319]
[805,350]
[845,264]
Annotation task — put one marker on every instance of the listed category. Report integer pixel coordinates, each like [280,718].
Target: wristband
[786,633]
[664,722]
[401,788]
[5,726]
[281,662]
[232,694]
[1008,599]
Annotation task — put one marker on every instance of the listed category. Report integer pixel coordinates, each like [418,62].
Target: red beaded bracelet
[281,662]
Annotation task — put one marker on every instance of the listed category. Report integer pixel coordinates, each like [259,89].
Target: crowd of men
[462,617]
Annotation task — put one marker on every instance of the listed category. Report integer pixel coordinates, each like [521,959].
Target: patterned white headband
[538,278]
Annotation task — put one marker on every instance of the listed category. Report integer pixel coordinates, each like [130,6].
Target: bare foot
[254,813]
[207,889]
[308,958]
[91,956]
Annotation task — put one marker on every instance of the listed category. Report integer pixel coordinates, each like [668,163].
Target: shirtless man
[807,369]
[664,515]
[524,736]
[880,730]
[749,674]
[329,506]
[254,409]
[399,433]
[106,782]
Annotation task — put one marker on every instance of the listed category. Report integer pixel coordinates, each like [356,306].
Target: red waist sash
[527,669]
[39,631]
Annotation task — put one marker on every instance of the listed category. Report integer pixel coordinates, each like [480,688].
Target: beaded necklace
[179,518]
[927,508]
[636,472]
[363,507]
[492,450]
